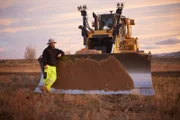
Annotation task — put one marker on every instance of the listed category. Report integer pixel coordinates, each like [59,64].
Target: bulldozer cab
[106,21]
[100,39]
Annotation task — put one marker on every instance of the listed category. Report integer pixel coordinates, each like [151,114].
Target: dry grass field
[18,101]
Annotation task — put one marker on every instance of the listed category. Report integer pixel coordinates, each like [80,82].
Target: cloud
[170,41]
[107,5]
[2,50]
[6,21]
[10,21]
[162,16]
[63,17]
[17,29]
[7,3]
[150,47]
[149,35]
[68,33]
[149,3]
[173,48]
[36,27]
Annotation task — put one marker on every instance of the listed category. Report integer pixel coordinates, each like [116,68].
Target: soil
[106,74]
[85,51]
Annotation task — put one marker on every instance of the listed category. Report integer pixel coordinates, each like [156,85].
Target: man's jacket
[50,56]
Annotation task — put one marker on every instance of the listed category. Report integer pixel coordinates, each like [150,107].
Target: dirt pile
[85,51]
[88,74]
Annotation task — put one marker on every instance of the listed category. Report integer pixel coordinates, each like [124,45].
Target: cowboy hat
[51,41]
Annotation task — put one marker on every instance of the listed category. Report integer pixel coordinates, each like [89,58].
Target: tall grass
[19,102]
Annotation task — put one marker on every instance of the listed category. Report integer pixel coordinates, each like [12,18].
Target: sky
[33,22]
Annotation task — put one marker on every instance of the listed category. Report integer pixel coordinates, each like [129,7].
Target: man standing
[50,56]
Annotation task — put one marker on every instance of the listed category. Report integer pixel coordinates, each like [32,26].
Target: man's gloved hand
[45,67]
[59,55]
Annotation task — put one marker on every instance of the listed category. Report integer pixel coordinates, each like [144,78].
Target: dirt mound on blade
[88,74]
[85,51]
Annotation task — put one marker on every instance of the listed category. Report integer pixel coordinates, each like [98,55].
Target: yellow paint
[130,44]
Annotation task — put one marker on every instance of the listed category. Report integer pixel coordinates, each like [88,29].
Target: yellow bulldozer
[109,63]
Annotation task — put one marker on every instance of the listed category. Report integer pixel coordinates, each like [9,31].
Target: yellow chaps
[49,76]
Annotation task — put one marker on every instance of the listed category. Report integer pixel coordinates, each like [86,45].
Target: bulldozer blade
[137,65]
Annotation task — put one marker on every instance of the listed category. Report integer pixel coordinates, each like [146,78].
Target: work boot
[44,89]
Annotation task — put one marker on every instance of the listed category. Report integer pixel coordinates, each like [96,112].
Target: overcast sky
[33,22]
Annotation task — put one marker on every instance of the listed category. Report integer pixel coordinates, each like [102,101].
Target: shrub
[30,53]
